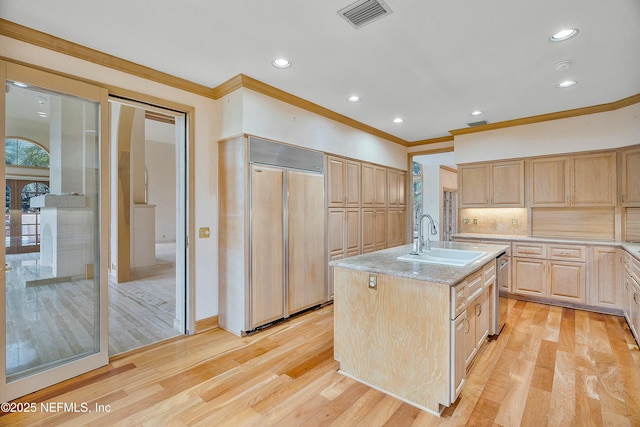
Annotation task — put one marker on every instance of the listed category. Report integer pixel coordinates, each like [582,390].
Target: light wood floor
[53,321]
[550,366]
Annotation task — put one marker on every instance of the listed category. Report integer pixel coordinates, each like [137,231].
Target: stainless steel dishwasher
[502,287]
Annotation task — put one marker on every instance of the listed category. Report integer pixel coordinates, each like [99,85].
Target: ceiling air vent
[480,123]
[362,12]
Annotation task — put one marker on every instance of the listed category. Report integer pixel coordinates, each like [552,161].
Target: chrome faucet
[432,231]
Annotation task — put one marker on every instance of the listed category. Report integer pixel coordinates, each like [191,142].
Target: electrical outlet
[373,281]
[465,220]
[514,222]
[204,233]
[475,221]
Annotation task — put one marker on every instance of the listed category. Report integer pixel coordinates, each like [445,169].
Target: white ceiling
[429,62]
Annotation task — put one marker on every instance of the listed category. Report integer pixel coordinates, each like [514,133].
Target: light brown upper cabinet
[396,188]
[594,180]
[580,180]
[630,191]
[496,184]
[343,182]
[549,181]
[374,185]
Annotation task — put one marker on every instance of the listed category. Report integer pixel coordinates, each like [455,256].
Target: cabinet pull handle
[623,198]
[478,309]
[468,326]
[635,297]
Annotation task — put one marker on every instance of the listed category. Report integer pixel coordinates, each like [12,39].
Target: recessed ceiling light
[353,98]
[563,35]
[42,114]
[398,120]
[476,113]
[566,83]
[562,65]
[281,63]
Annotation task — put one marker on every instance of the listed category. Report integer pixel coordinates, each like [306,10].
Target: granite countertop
[632,248]
[386,262]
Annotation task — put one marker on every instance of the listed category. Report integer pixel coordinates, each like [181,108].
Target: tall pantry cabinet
[271,232]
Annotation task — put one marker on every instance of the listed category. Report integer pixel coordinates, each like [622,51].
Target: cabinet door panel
[594,180]
[459,364]
[567,281]
[631,177]
[549,183]
[507,184]
[529,276]
[380,229]
[392,187]
[482,322]
[336,233]
[368,185]
[470,336]
[402,185]
[473,181]
[380,186]
[368,230]
[352,185]
[352,233]
[267,245]
[336,178]
[605,278]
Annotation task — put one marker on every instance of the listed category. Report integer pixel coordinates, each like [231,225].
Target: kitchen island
[410,329]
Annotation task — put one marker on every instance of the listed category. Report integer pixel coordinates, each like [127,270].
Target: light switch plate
[204,233]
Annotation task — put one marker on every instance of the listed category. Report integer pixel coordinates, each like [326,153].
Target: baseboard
[206,324]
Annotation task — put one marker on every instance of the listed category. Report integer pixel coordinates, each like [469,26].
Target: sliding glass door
[53,285]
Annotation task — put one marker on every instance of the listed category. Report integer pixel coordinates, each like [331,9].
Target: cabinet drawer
[474,285]
[635,272]
[489,273]
[566,252]
[458,299]
[530,250]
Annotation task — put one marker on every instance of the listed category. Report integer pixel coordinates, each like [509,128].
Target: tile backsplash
[503,221]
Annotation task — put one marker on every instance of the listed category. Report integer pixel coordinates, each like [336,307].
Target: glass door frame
[63,85]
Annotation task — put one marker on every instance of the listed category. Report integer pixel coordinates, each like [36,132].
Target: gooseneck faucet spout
[432,231]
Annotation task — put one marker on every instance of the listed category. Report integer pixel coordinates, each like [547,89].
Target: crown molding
[634,99]
[448,138]
[433,151]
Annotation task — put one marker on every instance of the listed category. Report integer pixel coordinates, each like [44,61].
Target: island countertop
[386,262]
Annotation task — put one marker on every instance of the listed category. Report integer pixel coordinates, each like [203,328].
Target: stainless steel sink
[455,257]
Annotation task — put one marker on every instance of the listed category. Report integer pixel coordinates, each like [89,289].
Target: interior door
[54,300]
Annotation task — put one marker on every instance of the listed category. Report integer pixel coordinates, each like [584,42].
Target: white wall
[612,129]
[431,195]
[161,174]
[269,118]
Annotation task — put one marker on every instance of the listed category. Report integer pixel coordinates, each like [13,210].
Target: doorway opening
[147,245]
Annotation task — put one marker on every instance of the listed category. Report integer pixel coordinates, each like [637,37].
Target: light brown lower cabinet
[478,325]
[560,280]
[604,290]
[529,277]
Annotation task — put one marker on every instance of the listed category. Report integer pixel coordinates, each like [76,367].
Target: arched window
[20,152]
